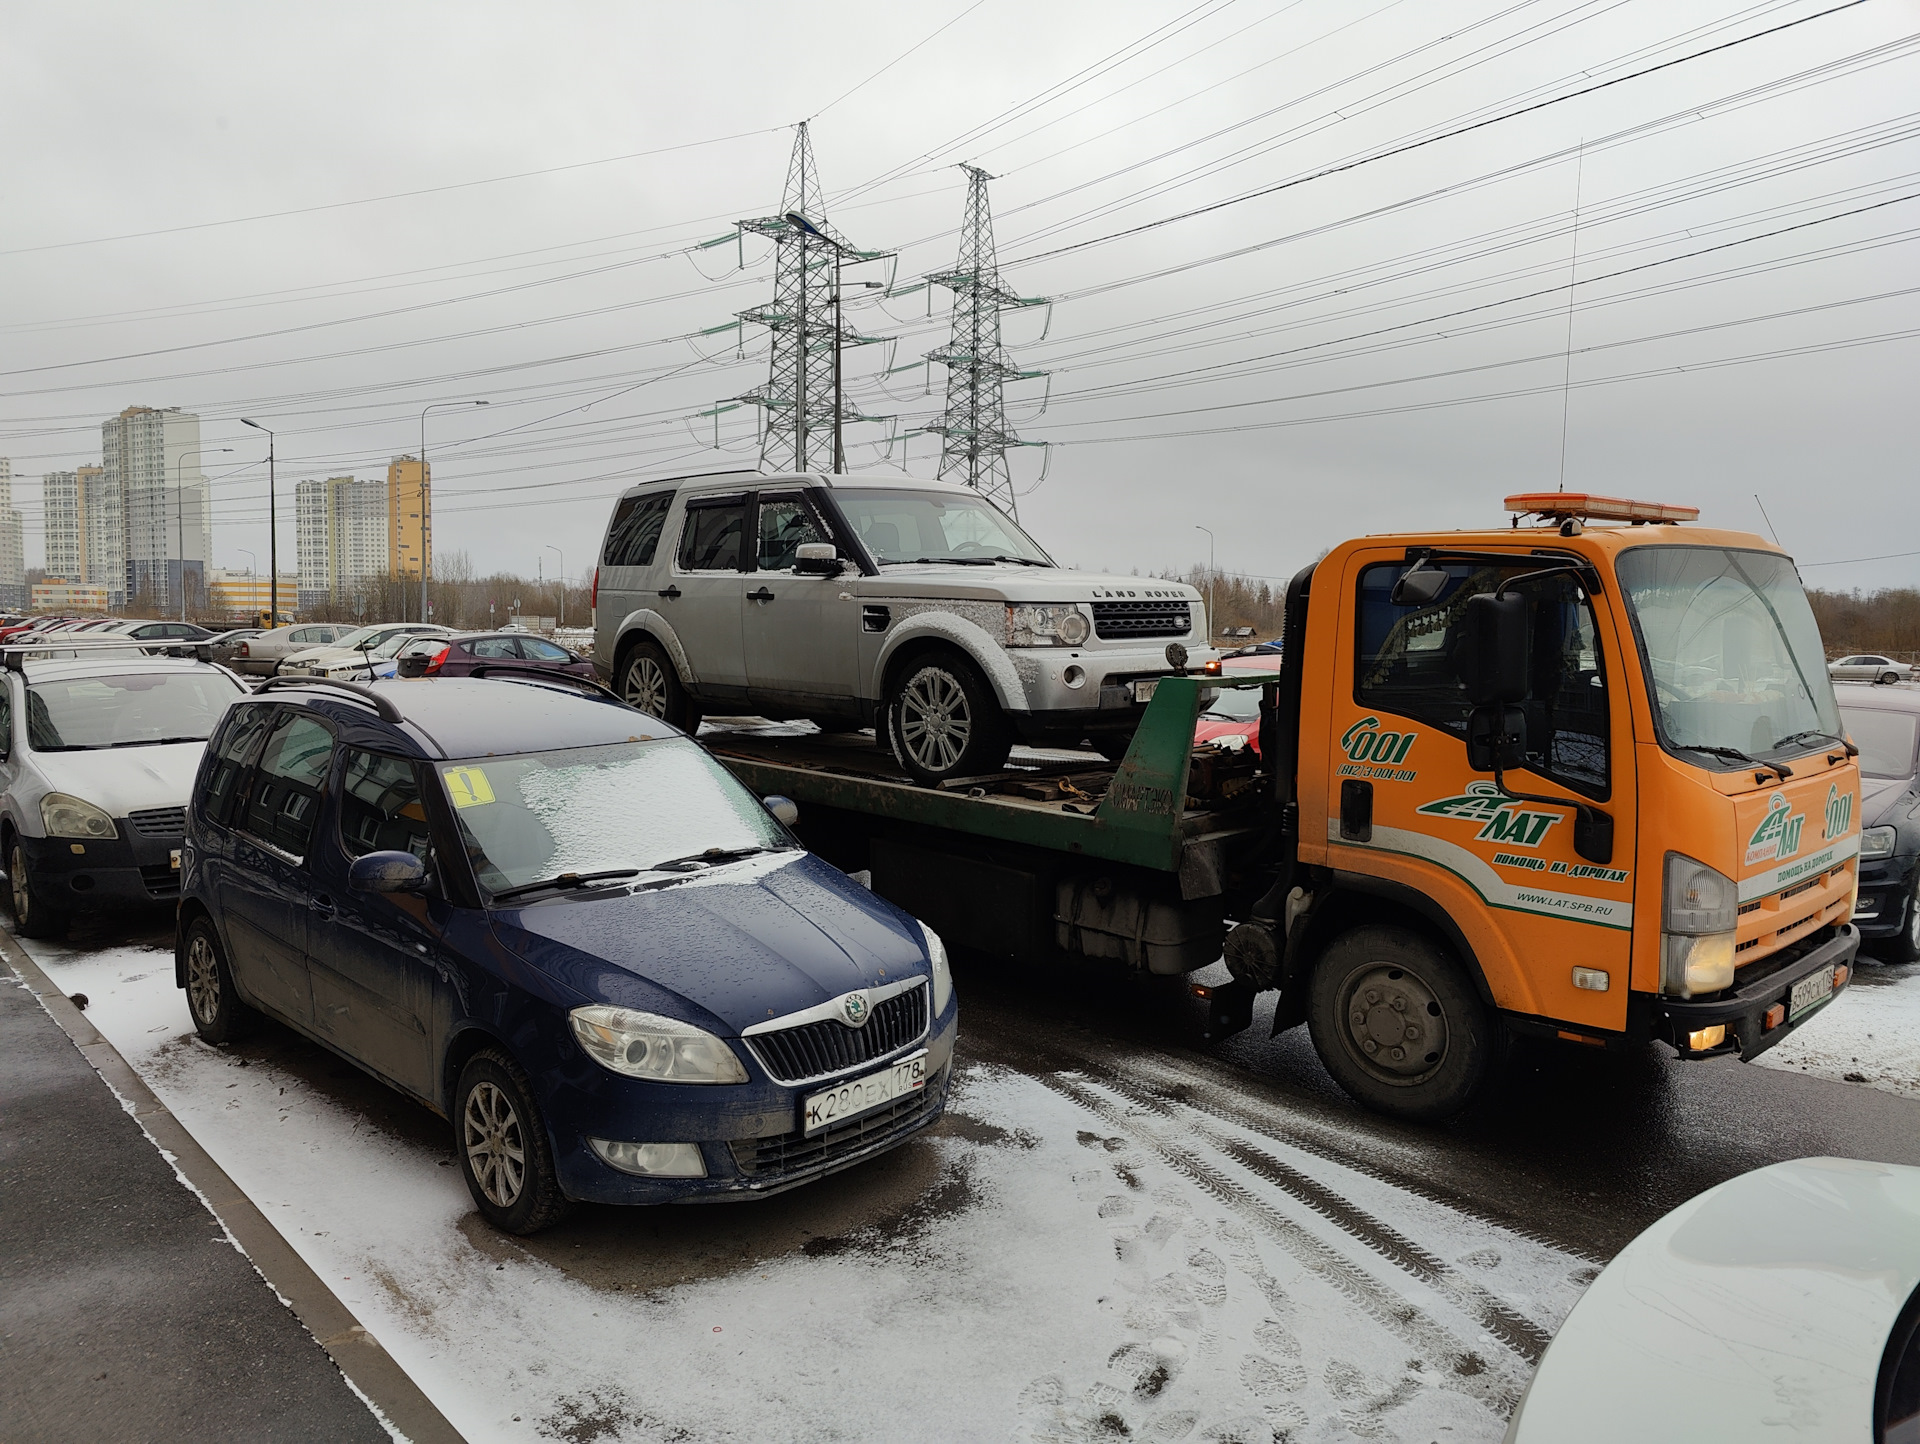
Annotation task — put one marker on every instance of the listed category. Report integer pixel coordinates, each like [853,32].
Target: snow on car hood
[124,779]
[743,943]
[1014,583]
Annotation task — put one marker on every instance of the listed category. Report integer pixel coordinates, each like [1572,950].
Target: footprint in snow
[1277,1338]
[1115,1206]
[1482,1258]
[1263,1376]
[1210,1277]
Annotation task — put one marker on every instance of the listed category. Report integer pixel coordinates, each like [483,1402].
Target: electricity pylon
[804,398]
[974,424]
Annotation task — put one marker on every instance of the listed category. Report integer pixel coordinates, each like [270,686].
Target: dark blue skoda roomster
[562,925]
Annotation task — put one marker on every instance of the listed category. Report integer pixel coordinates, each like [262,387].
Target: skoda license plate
[863,1095]
[1810,992]
[1143,691]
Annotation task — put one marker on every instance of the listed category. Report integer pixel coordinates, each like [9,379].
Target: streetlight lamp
[273,532]
[426,520]
[180,515]
[1213,622]
[563,580]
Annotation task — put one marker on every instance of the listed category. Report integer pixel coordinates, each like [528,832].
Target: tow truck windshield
[903,527]
[1732,651]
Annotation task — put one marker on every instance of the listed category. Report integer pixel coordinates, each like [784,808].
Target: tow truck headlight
[65,816]
[942,973]
[1046,626]
[1877,842]
[646,1045]
[1700,908]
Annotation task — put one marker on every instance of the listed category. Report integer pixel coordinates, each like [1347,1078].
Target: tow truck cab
[1593,763]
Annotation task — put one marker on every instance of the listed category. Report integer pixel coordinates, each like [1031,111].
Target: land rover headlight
[942,972]
[646,1045]
[65,816]
[1877,842]
[1700,908]
[1046,626]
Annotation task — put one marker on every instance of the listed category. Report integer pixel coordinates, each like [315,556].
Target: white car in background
[98,750]
[262,653]
[1869,667]
[1783,1304]
[353,655]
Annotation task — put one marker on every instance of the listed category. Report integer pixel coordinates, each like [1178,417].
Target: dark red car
[458,656]
[1235,713]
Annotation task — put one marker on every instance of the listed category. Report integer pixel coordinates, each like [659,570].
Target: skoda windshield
[1732,651]
[901,527]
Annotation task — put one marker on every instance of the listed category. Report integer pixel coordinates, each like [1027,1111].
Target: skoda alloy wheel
[219,1016]
[496,1144]
[502,1146]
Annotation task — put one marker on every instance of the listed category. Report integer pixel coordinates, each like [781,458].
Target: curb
[369,1369]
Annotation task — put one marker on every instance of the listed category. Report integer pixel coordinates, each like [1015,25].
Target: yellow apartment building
[409,516]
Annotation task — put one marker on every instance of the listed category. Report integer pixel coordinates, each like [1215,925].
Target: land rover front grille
[817,1050]
[1121,621]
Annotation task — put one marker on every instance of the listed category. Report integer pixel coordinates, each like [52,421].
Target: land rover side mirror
[387,872]
[1418,585]
[816,559]
[1492,654]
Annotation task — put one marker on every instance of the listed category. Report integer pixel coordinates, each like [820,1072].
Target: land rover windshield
[1732,652]
[902,527]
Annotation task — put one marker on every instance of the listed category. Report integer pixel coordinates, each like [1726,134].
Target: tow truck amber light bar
[1583,506]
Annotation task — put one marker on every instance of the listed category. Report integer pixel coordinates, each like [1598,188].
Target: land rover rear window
[710,540]
[1404,661]
[635,533]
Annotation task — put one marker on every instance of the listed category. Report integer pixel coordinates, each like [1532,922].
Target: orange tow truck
[1581,778]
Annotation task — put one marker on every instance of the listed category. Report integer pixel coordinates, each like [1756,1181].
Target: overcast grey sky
[1379,348]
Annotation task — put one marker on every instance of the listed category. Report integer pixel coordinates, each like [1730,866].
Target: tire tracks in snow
[1464,1368]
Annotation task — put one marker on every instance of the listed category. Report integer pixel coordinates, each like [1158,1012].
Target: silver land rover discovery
[916,607]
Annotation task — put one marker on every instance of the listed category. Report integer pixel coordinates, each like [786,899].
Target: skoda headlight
[1877,842]
[1700,907]
[646,1045]
[66,816]
[942,973]
[1046,626]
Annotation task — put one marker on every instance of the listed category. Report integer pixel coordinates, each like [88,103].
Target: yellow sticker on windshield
[468,786]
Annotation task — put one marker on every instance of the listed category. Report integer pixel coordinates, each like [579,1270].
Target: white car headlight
[65,816]
[942,973]
[1046,626]
[646,1045]
[1878,842]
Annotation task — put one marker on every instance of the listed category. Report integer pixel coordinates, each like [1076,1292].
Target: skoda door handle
[323,905]
[669,592]
[763,595]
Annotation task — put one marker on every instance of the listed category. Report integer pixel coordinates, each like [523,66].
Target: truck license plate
[1810,992]
[863,1095]
[1143,691]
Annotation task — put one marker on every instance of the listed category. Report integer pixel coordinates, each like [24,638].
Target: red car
[458,656]
[1236,711]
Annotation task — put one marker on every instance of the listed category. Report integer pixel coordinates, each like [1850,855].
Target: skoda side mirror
[1492,655]
[387,872]
[817,559]
[785,810]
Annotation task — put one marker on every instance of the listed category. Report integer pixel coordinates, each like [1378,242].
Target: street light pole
[1213,622]
[426,510]
[273,531]
[563,580]
[180,515]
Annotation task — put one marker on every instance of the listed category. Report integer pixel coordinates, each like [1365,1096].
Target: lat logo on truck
[1778,834]
[1839,812]
[1501,819]
[1381,752]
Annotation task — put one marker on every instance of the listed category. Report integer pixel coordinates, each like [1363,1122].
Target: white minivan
[917,607]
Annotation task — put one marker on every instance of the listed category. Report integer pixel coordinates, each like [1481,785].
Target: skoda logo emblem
[857,1009]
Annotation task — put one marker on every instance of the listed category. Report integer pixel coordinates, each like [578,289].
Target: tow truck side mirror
[816,559]
[1492,655]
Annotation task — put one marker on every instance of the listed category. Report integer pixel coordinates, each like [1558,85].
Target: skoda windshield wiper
[1818,736]
[1738,756]
[567,880]
[712,855]
[155,741]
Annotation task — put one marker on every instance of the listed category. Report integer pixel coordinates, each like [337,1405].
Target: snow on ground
[1080,1258]
[1869,1034]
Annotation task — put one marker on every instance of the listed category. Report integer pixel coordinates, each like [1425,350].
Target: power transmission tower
[804,395]
[974,424]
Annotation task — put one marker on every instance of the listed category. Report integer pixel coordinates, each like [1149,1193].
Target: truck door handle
[670,592]
[763,595]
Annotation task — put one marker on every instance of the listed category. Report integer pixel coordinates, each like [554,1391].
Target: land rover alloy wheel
[944,721]
[649,682]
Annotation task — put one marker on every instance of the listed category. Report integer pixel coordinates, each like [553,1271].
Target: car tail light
[593,599]
[439,661]
[243,650]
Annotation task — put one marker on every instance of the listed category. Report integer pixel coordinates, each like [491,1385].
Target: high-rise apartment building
[13,557]
[85,530]
[409,516]
[341,536]
[152,463]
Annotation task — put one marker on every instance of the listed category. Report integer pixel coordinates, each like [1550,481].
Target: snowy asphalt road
[1110,1236]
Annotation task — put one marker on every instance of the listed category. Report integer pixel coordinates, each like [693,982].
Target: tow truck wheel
[215,1007]
[944,720]
[32,918]
[649,682]
[1399,1025]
